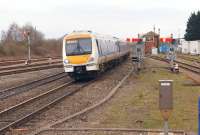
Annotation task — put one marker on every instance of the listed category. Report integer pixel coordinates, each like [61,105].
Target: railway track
[189,58]
[189,67]
[23,112]
[21,61]
[10,59]
[25,66]
[28,86]
[29,68]
[14,62]
[192,68]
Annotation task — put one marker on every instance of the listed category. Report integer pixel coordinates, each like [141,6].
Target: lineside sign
[166,101]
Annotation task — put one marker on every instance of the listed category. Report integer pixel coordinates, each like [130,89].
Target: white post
[166,128]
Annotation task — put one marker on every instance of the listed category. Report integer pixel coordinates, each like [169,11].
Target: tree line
[193,27]
[13,42]
[16,35]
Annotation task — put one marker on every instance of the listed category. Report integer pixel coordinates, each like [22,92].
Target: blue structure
[164,48]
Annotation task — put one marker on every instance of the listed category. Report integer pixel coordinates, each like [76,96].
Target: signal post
[27,35]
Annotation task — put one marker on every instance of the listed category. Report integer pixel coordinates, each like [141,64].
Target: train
[86,54]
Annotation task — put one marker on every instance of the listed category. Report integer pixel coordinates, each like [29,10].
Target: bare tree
[15,42]
[3,36]
[37,37]
[13,33]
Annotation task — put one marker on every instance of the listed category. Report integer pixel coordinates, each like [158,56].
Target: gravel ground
[136,105]
[18,79]
[86,97]
[95,118]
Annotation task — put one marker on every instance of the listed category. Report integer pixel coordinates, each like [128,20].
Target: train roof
[76,34]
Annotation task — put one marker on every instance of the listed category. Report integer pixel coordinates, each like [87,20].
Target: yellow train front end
[79,55]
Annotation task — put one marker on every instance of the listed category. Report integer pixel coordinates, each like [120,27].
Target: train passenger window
[108,48]
[117,45]
[99,48]
[112,47]
[104,47]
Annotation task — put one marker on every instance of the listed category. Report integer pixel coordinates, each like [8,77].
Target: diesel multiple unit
[86,53]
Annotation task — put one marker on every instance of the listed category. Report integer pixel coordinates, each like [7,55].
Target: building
[151,41]
[189,47]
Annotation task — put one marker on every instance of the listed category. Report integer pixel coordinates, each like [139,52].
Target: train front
[79,57]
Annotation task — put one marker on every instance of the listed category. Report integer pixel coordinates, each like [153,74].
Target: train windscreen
[78,47]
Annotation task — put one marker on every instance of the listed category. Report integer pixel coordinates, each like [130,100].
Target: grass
[137,106]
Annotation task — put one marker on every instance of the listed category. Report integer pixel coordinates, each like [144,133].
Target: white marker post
[166,101]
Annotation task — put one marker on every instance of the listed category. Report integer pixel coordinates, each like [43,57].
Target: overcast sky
[121,18]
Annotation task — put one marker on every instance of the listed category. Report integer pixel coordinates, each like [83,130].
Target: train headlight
[66,61]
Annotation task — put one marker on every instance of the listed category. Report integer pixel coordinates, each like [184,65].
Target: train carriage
[86,54]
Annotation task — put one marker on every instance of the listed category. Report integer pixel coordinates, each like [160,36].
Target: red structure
[151,41]
[166,40]
[134,40]
[128,40]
